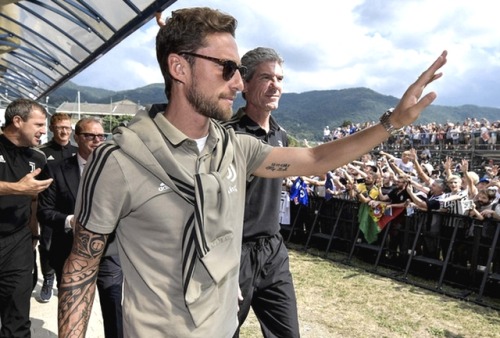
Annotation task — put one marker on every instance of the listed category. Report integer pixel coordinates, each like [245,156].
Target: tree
[110,122]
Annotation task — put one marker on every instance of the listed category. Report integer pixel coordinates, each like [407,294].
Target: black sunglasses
[92,137]
[229,67]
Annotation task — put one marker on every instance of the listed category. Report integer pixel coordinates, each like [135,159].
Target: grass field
[336,300]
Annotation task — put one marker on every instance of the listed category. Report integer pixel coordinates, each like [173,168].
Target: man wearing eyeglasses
[60,146]
[172,184]
[265,280]
[56,149]
[55,210]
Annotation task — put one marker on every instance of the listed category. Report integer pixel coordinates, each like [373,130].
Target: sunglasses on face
[229,67]
[92,137]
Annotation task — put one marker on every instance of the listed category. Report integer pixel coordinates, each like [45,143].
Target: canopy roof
[45,43]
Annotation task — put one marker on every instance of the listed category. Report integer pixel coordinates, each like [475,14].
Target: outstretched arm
[77,290]
[420,172]
[415,199]
[471,187]
[331,155]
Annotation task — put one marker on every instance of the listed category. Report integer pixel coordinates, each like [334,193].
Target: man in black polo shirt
[265,279]
[55,150]
[19,165]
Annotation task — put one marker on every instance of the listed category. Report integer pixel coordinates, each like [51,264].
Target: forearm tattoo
[77,289]
[280,167]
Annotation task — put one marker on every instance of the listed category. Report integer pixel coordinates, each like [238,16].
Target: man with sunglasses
[265,280]
[172,185]
[56,149]
[56,207]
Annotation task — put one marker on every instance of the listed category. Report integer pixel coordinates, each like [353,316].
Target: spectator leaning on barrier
[395,199]
[387,183]
[486,210]
[432,202]
[367,191]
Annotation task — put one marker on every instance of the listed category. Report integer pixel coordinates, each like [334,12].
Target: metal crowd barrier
[430,250]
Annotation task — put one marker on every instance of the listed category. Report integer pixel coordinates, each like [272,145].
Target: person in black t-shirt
[265,279]
[396,198]
[20,163]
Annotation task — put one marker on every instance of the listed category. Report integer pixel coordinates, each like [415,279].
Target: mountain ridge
[303,115]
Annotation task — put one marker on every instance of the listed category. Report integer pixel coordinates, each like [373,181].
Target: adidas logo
[163,187]
[50,158]
[2,160]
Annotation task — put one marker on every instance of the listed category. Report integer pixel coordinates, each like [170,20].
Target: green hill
[303,115]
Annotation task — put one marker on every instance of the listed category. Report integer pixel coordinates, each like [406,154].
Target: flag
[285,208]
[373,219]
[386,218]
[298,192]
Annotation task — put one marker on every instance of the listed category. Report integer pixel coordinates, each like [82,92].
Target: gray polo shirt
[119,191]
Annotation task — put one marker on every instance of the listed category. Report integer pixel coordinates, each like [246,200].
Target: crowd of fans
[412,183]
[471,132]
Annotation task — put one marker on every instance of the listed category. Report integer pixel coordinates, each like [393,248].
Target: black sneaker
[46,292]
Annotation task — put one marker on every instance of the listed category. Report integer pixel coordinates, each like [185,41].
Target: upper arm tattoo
[280,167]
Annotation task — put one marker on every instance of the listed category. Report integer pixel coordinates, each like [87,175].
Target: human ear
[177,67]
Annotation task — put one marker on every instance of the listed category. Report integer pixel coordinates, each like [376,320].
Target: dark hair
[22,108]
[441,183]
[490,193]
[186,31]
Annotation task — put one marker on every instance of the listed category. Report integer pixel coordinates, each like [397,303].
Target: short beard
[205,106]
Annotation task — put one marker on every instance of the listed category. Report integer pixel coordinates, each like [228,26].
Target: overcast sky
[383,45]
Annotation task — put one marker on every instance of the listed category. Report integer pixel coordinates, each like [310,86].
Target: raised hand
[411,104]
[465,166]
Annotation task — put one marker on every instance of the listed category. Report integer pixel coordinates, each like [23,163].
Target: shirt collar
[174,135]
[81,160]
[251,125]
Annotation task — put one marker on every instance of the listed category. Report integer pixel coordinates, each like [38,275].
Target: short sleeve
[103,192]
[254,151]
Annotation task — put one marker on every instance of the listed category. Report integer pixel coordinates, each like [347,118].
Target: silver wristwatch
[386,123]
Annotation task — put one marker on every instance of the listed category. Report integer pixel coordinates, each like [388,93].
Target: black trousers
[16,265]
[267,287]
[44,261]
[109,285]
[44,248]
